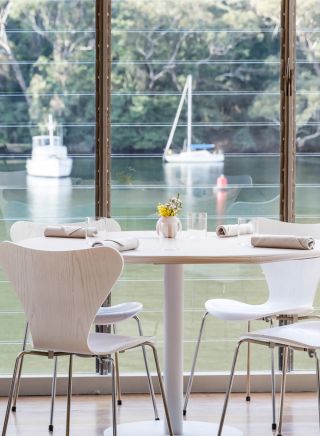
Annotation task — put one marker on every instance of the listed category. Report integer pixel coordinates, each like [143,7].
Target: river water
[250,187]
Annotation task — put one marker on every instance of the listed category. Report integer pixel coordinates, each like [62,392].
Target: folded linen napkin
[283,241]
[122,244]
[224,231]
[70,231]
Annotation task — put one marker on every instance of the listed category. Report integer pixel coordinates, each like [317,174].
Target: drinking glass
[98,223]
[250,223]
[197,224]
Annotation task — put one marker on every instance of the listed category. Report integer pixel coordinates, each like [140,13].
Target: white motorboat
[49,156]
[190,153]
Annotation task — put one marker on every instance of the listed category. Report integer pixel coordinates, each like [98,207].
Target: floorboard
[92,414]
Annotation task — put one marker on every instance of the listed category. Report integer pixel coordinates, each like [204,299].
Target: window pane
[308,122]
[231,50]
[47,68]
[308,110]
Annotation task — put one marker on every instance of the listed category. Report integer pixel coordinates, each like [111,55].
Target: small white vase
[168,226]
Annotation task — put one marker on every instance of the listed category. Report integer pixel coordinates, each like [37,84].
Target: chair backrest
[275,227]
[255,208]
[21,230]
[292,283]
[61,291]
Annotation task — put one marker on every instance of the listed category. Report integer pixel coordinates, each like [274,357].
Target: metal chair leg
[226,400]
[69,396]
[318,383]
[117,376]
[283,387]
[102,361]
[114,409]
[194,365]
[53,392]
[248,389]
[12,388]
[150,384]
[117,373]
[273,392]
[163,394]
[17,384]
[273,387]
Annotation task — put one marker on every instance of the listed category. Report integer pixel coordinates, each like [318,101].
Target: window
[47,68]
[231,51]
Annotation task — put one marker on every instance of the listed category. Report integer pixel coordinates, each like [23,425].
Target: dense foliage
[231,48]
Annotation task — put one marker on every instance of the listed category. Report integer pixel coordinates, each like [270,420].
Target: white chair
[280,302]
[61,292]
[304,336]
[106,316]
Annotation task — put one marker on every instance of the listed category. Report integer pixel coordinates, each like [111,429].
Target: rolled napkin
[120,244]
[283,241]
[70,232]
[224,231]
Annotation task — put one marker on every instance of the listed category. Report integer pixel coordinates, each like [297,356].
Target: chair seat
[105,343]
[300,334]
[234,310]
[117,313]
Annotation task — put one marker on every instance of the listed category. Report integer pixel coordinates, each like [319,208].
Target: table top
[183,249]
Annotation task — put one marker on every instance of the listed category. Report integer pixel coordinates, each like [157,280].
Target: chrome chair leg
[150,384]
[114,409]
[273,391]
[69,396]
[117,376]
[318,383]
[17,384]
[12,388]
[102,361]
[163,394]
[53,392]
[226,400]
[248,388]
[117,372]
[283,387]
[194,365]
[273,386]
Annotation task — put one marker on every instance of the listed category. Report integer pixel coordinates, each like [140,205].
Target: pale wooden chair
[106,316]
[61,292]
[304,336]
[282,302]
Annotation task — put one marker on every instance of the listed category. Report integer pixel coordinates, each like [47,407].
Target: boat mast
[189,115]
[177,116]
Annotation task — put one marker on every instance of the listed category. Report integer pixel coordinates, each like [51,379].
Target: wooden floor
[91,414]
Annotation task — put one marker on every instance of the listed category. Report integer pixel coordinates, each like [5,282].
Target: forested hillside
[231,48]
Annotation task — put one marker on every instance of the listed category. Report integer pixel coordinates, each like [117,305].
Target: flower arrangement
[171,208]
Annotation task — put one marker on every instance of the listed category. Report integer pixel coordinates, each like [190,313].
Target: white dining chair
[61,292]
[280,303]
[106,316]
[302,336]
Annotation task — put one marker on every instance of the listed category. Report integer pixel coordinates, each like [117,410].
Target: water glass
[95,223]
[197,224]
[247,226]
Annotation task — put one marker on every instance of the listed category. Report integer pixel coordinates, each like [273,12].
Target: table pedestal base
[155,428]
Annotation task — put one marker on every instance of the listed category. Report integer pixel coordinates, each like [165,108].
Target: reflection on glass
[308,110]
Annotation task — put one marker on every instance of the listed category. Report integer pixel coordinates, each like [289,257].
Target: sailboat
[190,153]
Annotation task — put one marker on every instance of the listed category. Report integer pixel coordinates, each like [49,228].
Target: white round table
[173,254]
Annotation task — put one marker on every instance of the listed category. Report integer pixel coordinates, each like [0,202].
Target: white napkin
[70,231]
[283,241]
[120,244]
[224,231]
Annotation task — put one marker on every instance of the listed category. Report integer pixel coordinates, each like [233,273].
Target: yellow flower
[171,208]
